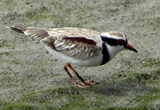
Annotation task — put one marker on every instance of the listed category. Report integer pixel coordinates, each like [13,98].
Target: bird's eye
[120,42]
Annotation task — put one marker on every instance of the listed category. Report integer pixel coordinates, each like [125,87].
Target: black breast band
[105,53]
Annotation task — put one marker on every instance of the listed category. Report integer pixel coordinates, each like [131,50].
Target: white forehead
[114,35]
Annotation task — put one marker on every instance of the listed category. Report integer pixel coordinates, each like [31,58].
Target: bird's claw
[89,83]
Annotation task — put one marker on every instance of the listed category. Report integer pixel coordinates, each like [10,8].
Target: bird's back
[69,44]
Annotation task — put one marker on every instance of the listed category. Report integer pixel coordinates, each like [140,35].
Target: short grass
[31,79]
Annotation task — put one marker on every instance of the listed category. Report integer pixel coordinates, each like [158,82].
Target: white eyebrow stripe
[113,36]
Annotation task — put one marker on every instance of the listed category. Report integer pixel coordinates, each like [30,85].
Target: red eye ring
[120,42]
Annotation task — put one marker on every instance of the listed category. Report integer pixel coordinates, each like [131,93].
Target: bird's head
[116,42]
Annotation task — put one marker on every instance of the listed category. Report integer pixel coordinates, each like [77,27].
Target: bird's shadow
[119,88]
[111,88]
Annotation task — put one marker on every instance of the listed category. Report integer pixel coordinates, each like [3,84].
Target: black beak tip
[130,47]
[135,50]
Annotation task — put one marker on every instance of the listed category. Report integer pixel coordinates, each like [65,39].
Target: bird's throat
[113,50]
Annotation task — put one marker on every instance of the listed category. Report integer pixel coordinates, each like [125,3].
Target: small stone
[27,3]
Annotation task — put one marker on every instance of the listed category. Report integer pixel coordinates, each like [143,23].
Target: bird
[79,46]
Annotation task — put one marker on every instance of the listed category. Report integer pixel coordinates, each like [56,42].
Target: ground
[32,79]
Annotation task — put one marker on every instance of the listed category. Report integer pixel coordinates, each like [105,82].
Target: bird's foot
[81,85]
[89,83]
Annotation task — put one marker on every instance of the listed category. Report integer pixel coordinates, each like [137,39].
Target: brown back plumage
[73,42]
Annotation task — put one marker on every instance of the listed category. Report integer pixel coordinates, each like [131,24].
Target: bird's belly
[89,62]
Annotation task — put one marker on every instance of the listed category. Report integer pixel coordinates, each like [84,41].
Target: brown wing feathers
[65,40]
[80,39]
[33,32]
[18,28]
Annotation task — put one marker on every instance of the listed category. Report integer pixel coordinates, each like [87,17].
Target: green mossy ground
[31,79]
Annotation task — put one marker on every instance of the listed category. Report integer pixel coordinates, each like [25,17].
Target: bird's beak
[130,47]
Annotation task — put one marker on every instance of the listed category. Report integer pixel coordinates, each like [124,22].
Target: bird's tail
[38,34]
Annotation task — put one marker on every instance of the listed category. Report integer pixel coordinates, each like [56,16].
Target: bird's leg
[80,78]
[73,80]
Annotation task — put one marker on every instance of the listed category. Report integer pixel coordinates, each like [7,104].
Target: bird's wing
[74,42]
[37,34]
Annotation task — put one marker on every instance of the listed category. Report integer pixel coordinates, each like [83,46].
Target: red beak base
[130,47]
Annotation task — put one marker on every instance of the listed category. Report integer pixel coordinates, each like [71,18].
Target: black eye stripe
[110,41]
[114,42]
[120,42]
